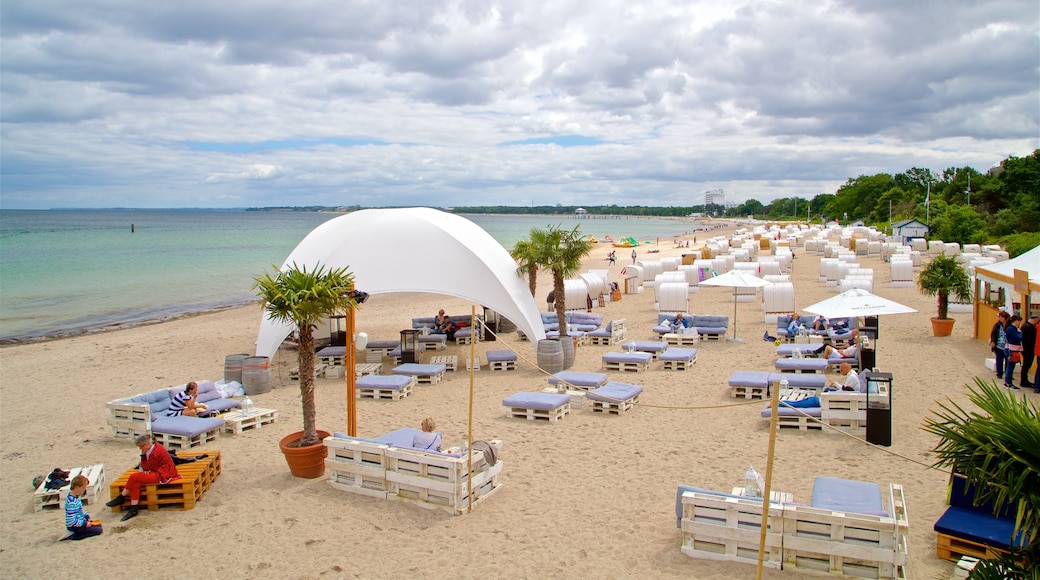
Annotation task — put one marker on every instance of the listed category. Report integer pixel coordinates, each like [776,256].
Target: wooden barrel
[567,344]
[550,355]
[256,375]
[233,367]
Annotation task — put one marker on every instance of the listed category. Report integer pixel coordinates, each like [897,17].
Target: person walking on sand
[633,256]
[612,256]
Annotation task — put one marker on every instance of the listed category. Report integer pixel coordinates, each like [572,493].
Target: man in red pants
[156,468]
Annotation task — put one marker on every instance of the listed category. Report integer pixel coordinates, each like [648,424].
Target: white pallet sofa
[387,467]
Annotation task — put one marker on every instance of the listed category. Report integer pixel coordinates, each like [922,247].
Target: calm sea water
[65,272]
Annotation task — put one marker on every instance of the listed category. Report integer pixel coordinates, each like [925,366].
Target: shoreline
[563,484]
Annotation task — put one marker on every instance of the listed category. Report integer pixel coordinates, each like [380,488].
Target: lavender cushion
[579,379]
[538,401]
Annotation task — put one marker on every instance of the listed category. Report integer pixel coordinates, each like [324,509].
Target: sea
[68,272]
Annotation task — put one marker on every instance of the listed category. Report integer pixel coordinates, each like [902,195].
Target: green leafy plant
[944,276]
[305,298]
[997,449]
[526,254]
[561,252]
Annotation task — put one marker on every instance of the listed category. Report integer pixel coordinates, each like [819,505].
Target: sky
[253,103]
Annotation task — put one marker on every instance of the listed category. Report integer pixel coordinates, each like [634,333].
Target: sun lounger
[332,355]
[614,397]
[722,526]
[627,361]
[847,531]
[612,333]
[433,341]
[393,387]
[801,365]
[678,359]
[531,406]
[388,467]
[969,530]
[788,417]
[583,381]
[787,350]
[501,360]
[375,350]
[755,384]
[655,348]
[424,374]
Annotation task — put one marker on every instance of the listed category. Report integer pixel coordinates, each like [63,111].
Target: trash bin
[879,408]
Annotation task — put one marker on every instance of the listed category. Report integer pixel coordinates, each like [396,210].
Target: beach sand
[592,496]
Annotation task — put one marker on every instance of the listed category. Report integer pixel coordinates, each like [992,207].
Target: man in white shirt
[851,382]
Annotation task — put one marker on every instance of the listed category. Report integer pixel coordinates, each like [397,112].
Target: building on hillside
[906,230]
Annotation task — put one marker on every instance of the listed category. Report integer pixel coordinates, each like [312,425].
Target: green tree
[305,298]
[997,448]
[526,254]
[959,223]
[561,254]
[943,276]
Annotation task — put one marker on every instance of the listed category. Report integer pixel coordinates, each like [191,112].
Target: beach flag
[928,194]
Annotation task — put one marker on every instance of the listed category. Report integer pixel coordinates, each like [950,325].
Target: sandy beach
[589,497]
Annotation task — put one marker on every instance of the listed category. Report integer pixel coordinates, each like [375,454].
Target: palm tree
[943,276]
[561,253]
[304,298]
[998,450]
[525,252]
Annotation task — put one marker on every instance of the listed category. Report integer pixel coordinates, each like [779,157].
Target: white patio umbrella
[857,302]
[736,279]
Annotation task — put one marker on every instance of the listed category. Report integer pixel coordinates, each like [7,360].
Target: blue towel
[806,402]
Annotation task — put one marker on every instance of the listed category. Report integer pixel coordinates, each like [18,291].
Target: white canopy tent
[414,250]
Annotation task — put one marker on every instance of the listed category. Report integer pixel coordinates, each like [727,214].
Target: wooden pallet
[614,407]
[800,422]
[451,362]
[45,498]
[953,549]
[724,528]
[175,441]
[551,415]
[235,422]
[180,494]
[474,364]
[502,365]
[368,368]
[674,339]
[380,393]
[749,392]
[626,366]
[338,360]
[679,365]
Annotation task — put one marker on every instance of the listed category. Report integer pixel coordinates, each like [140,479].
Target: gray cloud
[118,103]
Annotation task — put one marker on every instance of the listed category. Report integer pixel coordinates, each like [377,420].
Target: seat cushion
[622,357]
[385,382]
[579,379]
[333,351]
[538,401]
[678,354]
[646,346]
[978,526]
[844,495]
[614,391]
[186,426]
[500,355]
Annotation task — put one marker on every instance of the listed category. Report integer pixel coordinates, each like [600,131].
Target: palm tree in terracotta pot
[561,252]
[942,277]
[304,298]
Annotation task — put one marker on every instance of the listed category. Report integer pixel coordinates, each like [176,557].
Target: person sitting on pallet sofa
[185,403]
[828,351]
[156,468]
[77,521]
[428,440]
[851,382]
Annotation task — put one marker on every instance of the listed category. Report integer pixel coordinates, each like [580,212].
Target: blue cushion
[538,401]
[679,354]
[802,364]
[579,379]
[333,351]
[382,343]
[843,495]
[786,411]
[386,382]
[418,369]
[979,526]
[646,346]
[500,355]
[614,391]
[619,357]
[186,426]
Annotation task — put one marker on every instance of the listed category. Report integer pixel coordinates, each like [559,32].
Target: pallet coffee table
[237,421]
[52,498]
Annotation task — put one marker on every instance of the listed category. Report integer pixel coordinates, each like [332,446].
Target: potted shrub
[942,277]
[305,298]
[561,253]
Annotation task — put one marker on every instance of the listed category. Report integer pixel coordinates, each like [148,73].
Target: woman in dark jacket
[1013,335]
[997,342]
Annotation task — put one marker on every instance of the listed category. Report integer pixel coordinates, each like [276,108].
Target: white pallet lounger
[388,468]
[678,359]
[627,361]
[391,387]
[579,380]
[501,360]
[614,398]
[720,526]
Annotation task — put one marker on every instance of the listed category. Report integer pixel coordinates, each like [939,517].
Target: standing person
[633,256]
[612,256]
[997,342]
[156,467]
[1029,351]
[77,521]
[1036,373]
[550,300]
[1013,351]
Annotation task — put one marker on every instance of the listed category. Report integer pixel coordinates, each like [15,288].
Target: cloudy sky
[238,103]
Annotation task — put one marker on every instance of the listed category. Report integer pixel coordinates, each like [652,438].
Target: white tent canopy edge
[414,250]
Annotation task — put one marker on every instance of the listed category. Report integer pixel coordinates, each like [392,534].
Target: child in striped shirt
[78,521]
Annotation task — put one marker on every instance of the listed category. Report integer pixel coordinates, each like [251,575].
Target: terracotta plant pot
[942,326]
[308,462]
